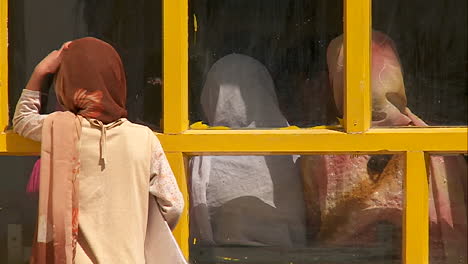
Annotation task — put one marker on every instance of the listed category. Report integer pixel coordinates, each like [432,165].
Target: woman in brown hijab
[98,169]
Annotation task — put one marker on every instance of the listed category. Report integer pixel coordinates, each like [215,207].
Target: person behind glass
[99,172]
[245,200]
[348,196]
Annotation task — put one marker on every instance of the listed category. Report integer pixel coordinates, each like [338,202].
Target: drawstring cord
[103,129]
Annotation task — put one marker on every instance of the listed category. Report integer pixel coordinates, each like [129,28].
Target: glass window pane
[420,48]
[132,27]
[292,209]
[18,209]
[447,209]
[261,63]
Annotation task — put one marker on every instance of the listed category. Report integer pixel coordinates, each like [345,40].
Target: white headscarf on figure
[245,200]
[239,92]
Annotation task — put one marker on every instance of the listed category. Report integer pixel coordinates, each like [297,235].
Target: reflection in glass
[281,209]
[429,41]
[289,38]
[389,103]
[239,92]
[448,209]
[132,27]
[18,209]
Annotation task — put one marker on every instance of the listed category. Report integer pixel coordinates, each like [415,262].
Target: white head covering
[245,200]
[239,92]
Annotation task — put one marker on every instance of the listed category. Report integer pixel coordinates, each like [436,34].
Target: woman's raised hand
[51,63]
[48,65]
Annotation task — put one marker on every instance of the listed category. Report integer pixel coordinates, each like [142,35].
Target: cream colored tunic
[113,196]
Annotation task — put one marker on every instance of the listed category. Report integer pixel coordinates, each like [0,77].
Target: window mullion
[175,38]
[357,34]
[178,166]
[3,65]
[416,215]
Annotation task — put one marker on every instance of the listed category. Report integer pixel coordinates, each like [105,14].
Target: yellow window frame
[357,136]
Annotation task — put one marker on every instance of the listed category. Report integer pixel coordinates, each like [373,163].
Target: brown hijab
[91,80]
[91,84]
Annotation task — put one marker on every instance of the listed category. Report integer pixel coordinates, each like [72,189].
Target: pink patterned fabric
[33,183]
[57,229]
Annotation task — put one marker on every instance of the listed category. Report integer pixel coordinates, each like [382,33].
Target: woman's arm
[27,121]
[164,186]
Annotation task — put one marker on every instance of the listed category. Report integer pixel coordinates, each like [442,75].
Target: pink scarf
[57,229]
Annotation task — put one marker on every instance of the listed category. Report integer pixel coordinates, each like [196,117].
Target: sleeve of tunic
[27,121]
[163,186]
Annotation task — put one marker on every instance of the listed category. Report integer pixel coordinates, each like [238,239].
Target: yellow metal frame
[357,39]
[175,35]
[3,64]
[178,164]
[357,137]
[416,215]
[195,142]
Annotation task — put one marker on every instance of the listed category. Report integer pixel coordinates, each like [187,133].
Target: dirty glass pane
[18,209]
[261,63]
[132,27]
[447,209]
[420,48]
[296,209]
